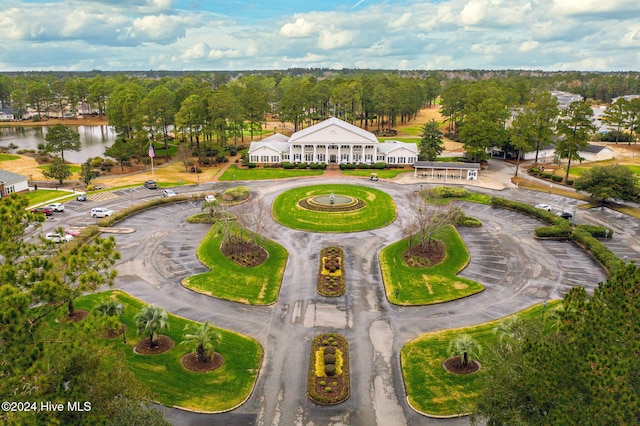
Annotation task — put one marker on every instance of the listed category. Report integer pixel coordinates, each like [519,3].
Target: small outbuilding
[12,182]
[446,170]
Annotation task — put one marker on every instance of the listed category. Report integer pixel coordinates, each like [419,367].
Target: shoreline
[85,121]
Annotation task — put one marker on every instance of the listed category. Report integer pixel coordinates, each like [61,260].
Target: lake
[94,140]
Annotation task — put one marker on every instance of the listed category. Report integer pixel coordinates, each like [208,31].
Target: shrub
[364,166]
[237,193]
[569,182]
[534,170]
[330,370]
[449,192]
[322,383]
[329,350]
[329,359]
[596,231]
[327,389]
[556,178]
[288,165]
[555,231]
[379,166]
[302,165]
[252,165]
[469,221]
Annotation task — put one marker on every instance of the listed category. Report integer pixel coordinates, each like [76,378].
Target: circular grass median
[379,209]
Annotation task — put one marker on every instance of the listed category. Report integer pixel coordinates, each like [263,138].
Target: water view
[94,140]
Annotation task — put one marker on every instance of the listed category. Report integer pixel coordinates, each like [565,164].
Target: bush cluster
[449,192]
[584,235]
[469,221]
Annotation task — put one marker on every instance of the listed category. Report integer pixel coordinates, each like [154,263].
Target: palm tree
[205,338]
[107,308]
[150,321]
[465,347]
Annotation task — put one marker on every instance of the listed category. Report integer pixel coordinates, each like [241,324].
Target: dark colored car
[151,184]
[44,210]
[565,215]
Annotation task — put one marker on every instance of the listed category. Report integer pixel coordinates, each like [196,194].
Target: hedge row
[585,236]
[449,192]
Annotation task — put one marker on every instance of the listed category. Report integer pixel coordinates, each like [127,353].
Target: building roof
[361,133]
[273,145]
[445,165]
[10,178]
[594,149]
[276,137]
[390,146]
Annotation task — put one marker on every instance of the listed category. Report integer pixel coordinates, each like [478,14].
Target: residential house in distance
[332,141]
[12,182]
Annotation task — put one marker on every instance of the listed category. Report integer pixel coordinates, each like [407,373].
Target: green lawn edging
[259,285]
[424,286]
[379,211]
[434,392]
[172,385]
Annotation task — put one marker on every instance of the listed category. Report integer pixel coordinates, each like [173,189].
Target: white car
[56,238]
[209,198]
[101,212]
[543,207]
[169,193]
[56,207]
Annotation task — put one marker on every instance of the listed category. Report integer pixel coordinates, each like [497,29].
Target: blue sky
[550,35]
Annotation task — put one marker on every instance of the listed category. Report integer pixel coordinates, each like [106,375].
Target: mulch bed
[165,343]
[243,252]
[334,389]
[191,363]
[431,254]
[331,272]
[454,365]
[78,315]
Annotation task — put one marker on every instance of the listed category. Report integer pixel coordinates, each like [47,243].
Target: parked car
[82,196]
[151,184]
[169,193]
[44,210]
[56,207]
[101,212]
[209,198]
[72,231]
[57,238]
[543,207]
[565,215]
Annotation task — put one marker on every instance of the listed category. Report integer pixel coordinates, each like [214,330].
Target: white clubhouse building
[332,141]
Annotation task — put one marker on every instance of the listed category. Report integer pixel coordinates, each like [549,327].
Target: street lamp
[606,234]
[544,305]
[124,330]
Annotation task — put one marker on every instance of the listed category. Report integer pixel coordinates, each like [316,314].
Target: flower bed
[331,273]
[329,381]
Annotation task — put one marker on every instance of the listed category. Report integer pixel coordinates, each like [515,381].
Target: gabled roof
[279,147]
[334,122]
[594,149]
[11,178]
[390,146]
[277,137]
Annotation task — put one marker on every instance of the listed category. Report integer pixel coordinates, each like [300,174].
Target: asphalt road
[517,271]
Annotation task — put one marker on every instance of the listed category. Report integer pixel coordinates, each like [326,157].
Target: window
[402,160]
[297,157]
[320,146]
[321,158]
[344,146]
[264,158]
[391,160]
[308,158]
[285,156]
[253,159]
[275,159]
[380,157]
[344,157]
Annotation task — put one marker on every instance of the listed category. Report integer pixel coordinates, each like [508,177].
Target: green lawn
[382,174]
[42,196]
[379,210]
[173,385]
[234,173]
[8,157]
[259,285]
[424,286]
[72,167]
[430,388]
[404,139]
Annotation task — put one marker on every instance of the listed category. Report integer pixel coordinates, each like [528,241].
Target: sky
[117,35]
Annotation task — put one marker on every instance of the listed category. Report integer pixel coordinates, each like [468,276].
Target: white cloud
[334,39]
[528,46]
[300,28]
[401,22]
[473,12]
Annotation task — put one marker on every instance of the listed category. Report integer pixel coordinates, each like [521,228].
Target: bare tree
[427,219]
[257,219]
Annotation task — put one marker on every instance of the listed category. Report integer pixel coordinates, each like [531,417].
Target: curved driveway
[517,271]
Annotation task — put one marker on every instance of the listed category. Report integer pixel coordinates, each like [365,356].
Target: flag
[152,153]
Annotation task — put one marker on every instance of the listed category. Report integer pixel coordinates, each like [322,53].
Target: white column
[326,154]
[339,155]
[375,154]
[351,153]
[315,156]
